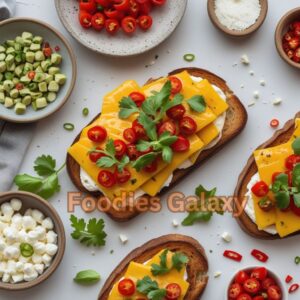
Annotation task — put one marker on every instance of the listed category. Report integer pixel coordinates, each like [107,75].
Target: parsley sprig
[47,184]
[150,288]
[110,159]
[91,233]
[179,260]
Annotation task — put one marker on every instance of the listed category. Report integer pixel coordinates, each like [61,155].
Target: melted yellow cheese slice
[268,161]
[137,271]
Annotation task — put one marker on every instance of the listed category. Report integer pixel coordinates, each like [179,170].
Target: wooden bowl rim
[60,231]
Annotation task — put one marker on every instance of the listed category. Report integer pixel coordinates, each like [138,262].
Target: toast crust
[197,267]
[280,136]
[236,119]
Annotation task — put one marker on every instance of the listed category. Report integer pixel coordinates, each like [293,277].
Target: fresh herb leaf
[162,267]
[282,199]
[87,277]
[296,146]
[296,176]
[45,186]
[179,260]
[106,162]
[149,125]
[166,139]
[167,154]
[146,285]
[157,294]
[197,103]
[91,233]
[127,108]
[45,165]
[202,216]
[110,147]
[144,160]
[143,145]
[178,98]
[297,199]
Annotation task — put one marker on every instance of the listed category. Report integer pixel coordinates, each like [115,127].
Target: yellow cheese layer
[268,161]
[137,271]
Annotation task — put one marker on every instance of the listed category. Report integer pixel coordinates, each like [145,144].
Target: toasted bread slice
[280,137]
[236,119]
[197,267]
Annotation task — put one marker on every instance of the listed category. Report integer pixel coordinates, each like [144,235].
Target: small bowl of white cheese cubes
[37,70]
[32,240]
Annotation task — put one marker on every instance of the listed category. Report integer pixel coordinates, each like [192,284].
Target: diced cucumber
[20,108]
[25,79]
[26,100]
[45,65]
[27,43]
[37,40]
[49,78]
[2,56]
[39,77]
[41,102]
[33,105]
[51,96]
[56,58]
[33,86]
[19,40]
[2,49]
[10,50]
[1,88]
[18,58]
[18,47]
[14,93]
[19,70]
[39,56]
[8,102]
[17,100]
[2,66]
[30,56]
[9,75]
[10,43]
[2,97]
[53,86]
[15,80]
[36,95]
[60,79]
[53,70]
[8,85]
[28,67]
[36,64]
[39,69]
[43,87]
[25,92]
[9,60]
[35,47]
[27,35]
[11,67]
[1,76]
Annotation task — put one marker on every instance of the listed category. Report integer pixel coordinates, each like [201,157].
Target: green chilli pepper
[26,250]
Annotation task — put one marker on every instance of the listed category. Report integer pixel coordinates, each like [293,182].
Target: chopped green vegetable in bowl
[37,70]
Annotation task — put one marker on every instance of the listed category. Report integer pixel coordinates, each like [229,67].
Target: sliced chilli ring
[189,57]
[69,126]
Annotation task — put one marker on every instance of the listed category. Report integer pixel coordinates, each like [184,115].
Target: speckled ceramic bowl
[165,21]
[11,28]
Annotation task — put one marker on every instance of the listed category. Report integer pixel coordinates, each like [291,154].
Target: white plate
[165,21]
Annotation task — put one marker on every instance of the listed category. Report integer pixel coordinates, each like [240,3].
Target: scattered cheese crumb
[262,82]
[93,253]
[175,223]
[245,59]
[277,101]
[226,237]
[242,86]
[251,73]
[123,238]
[251,103]
[256,95]
[217,274]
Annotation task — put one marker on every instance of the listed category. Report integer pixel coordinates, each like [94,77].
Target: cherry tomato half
[138,98]
[181,145]
[234,291]
[98,21]
[95,156]
[274,293]
[126,287]
[130,135]
[244,297]
[19,86]
[176,85]
[139,130]
[158,2]
[167,126]
[241,277]
[47,51]
[112,26]
[259,273]
[97,134]
[173,291]
[120,147]
[294,208]
[251,286]
[145,22]
[187,126]
[260,189]
[106,178]
[85,19]
[292,161]
[122,177]
[176,112]
[151,167]
[132,152]
[129,25]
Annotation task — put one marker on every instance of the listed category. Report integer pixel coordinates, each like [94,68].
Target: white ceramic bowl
[247,269]
[11,28]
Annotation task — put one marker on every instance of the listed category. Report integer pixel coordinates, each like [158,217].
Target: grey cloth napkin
[14,138]
[14,142]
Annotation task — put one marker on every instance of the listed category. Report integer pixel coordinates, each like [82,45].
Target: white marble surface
[99,74]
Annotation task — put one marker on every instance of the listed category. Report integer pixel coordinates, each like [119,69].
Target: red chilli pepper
[288,279]
[259,255]
[294,287]
[274,123]
[232,255]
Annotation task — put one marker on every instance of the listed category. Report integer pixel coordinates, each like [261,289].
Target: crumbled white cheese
[251,73]
[262,82]
[277,101]
[251,103]
[226,236]
[256,95]
[245,59]
[175,223]
[217,274]
[242,86]
[123,238]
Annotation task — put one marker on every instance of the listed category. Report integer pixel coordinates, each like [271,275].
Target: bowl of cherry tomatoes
[287,37]
[120,27]
[255,283]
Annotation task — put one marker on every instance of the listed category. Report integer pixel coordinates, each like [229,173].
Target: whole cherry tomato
[260,189]
[181,145]
[106,178]
[126,287]
[97,134]
[187,126]
[145,22]
[138,98]
[173,291]
[120,147]
[130,135]
[176,112]
[267,282]
[122,176]
[176,85]
[95,156]
[168,126]
[98,21]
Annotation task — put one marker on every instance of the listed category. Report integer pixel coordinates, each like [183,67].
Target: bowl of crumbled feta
[32,240]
